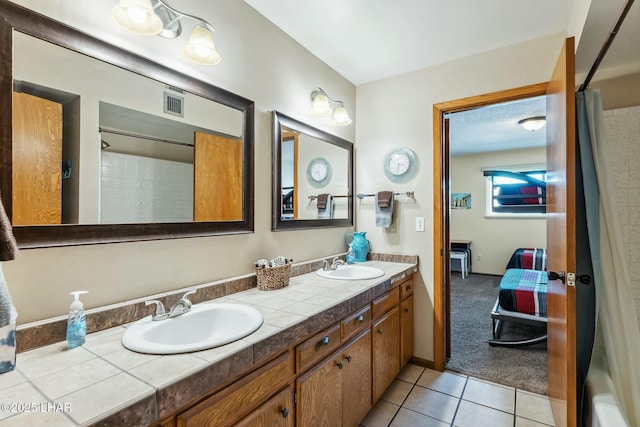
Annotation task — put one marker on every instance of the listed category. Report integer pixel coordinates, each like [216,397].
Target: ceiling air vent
[173,104]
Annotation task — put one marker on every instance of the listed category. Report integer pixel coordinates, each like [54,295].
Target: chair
[462,257]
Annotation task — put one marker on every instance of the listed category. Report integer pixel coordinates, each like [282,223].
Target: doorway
[442,194]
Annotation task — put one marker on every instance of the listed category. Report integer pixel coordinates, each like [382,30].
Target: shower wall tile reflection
[137,189]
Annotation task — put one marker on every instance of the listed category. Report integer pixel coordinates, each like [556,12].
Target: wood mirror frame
[277,223]
[37,25]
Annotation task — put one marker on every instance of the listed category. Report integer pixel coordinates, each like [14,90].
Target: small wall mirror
[104,146]
[312,177]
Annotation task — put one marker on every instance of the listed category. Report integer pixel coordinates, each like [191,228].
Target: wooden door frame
[441,208]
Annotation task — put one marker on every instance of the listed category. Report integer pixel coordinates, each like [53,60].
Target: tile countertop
[103,383]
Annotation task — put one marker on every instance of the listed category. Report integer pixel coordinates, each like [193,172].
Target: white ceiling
[367,40]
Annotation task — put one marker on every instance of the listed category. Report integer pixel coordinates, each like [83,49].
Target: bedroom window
[516,192]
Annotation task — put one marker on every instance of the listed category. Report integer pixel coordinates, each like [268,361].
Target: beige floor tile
[473,415]
[489,394]
[534,407]
[380,415]
[397,392]
[432,403]
[523,422]
[410,373]
[407,418]
[444,382]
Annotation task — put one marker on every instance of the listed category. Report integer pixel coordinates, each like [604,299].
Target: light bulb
[320,106]
[201,48]
[137,16]
[341,117]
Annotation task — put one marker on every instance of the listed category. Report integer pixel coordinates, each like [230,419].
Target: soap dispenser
[77,323]
[351,256]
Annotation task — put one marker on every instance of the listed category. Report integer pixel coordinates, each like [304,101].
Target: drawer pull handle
[408,287]
[323,341]
[340,365]
[361,318]
[348,357]
[381,331]
[285,412]
[406,310]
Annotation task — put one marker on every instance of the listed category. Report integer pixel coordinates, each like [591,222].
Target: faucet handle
[160,312]
[186,294]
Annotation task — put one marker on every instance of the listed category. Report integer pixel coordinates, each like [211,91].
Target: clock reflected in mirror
[400,164]
[319,172]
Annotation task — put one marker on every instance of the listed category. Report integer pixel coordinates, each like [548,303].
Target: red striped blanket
[524,291]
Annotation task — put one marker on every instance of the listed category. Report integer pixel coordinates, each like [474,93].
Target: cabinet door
[277,412]
[406,330]
[356,381]
[319,400]
[386,351]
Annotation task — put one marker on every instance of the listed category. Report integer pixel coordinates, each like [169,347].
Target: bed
[522,296]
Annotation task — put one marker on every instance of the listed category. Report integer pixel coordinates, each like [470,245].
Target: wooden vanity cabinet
[406,321]
[337,392]
[237,401]
[333,378]
[386,351]
[279,411]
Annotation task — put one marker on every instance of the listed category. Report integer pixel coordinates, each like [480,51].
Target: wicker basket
[271,278]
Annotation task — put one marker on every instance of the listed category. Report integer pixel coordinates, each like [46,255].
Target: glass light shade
[320,105]
[533,123]
[200,48]
[341,117]
[137,16]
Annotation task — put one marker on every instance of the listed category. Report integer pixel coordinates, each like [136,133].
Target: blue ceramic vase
[359,244]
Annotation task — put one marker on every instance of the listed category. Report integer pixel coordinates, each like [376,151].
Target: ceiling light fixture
[533,123]
[155,17]
[321,106]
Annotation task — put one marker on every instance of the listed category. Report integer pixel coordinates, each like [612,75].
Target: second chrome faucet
[182,306]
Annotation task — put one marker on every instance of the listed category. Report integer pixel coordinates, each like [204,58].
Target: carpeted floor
[471,302]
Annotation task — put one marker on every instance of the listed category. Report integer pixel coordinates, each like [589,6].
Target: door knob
[552,275]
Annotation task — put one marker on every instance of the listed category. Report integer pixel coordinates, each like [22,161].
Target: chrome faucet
[182,306]
[334,264]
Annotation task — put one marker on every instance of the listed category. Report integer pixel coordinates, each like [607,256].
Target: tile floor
[427,398]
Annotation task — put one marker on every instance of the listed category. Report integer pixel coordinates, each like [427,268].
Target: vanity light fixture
[155,17]
[533,123]
[321,106]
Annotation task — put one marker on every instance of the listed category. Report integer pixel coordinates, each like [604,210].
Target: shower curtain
[618,335]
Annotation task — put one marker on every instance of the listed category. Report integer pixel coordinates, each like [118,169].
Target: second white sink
[205,326]
[351,272]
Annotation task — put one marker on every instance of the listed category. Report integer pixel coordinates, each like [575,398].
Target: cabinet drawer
[385,303]
[317,347]
[224,408]
[355,323]
[406,288]
[277,412]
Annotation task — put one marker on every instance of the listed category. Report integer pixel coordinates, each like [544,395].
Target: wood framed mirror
[312,177]
[90,130]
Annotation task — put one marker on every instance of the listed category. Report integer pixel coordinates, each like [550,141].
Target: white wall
[398,112]
[259,62]
[492,239]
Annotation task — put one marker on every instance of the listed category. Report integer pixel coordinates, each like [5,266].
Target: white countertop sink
[351,272]
[205,326]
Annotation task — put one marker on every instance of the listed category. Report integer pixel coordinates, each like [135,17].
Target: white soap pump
[77,323]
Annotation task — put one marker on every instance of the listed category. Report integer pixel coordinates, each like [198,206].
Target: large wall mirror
[98,145]
[312,177]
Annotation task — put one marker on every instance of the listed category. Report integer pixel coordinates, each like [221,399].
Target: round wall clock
[400,164]
[319,172]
